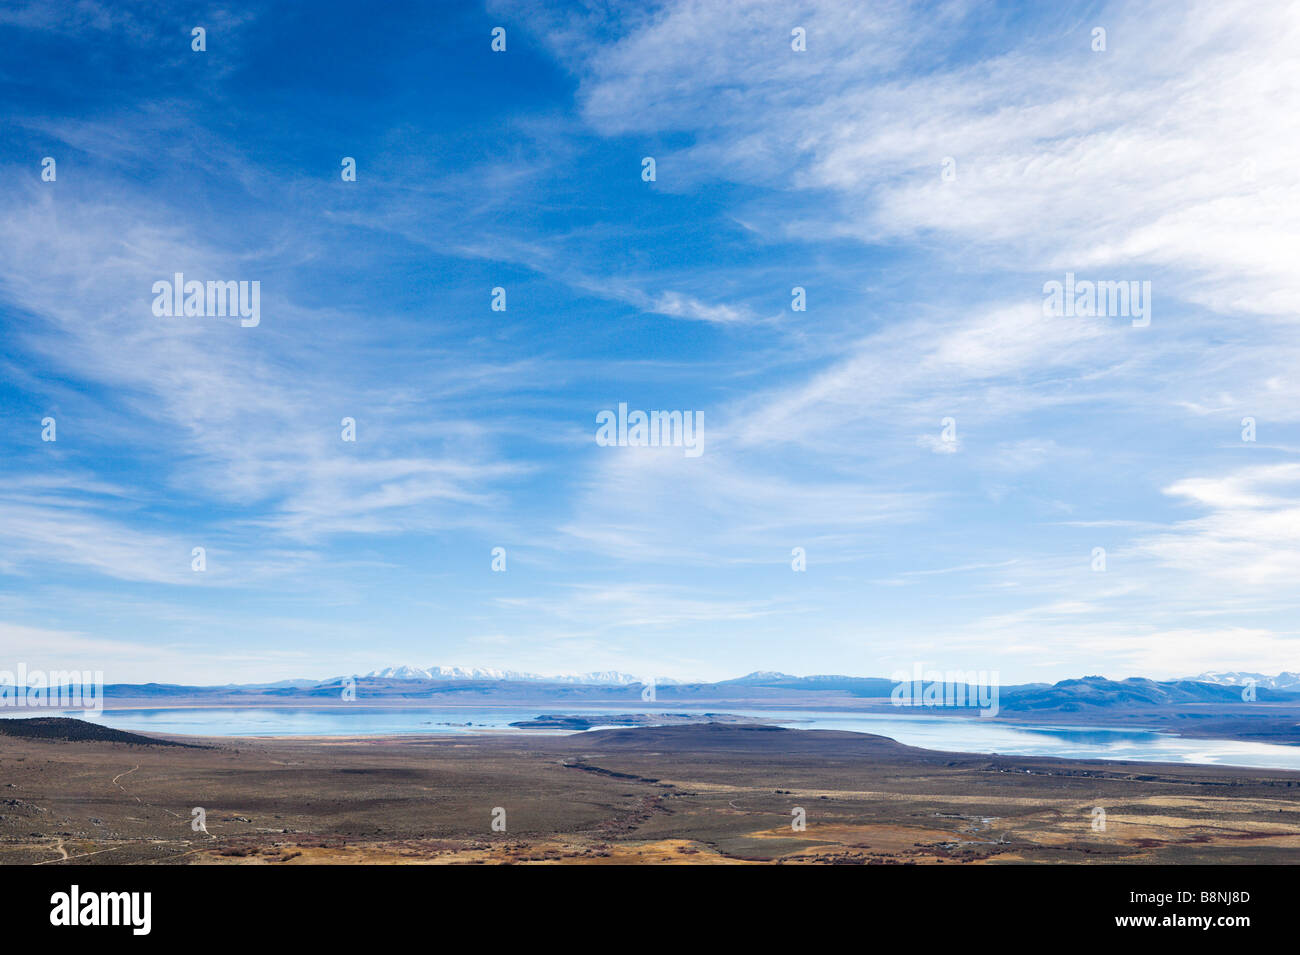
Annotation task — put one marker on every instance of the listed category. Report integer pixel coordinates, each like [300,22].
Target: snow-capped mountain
[1283,681]
[602,677]
[407,672]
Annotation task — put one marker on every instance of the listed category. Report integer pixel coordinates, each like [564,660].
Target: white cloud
[1169,152]
[247,416]
[677,305]
[1248,539]
[924,370]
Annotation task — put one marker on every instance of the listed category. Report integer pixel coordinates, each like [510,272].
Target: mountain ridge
[435,673]
[408,685]
[1285,680]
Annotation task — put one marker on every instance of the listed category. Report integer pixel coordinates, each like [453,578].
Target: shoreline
[517,731]
[1170,722]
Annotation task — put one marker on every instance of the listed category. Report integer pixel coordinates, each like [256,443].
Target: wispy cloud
[920,171]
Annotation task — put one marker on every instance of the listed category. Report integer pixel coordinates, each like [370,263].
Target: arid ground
[685,794]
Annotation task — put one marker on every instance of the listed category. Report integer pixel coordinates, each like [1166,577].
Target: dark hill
[62,728]
[730,737]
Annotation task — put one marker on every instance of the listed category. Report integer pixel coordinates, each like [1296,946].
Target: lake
[930,732]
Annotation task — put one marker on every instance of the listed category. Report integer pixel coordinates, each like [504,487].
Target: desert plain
[707,793]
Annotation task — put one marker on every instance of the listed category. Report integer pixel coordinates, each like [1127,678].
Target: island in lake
[581,723]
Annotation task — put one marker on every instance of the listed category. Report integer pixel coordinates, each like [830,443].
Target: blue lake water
[953,734]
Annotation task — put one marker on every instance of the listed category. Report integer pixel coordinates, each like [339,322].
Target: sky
[949,455]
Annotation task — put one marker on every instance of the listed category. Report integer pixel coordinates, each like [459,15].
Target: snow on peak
[407,672]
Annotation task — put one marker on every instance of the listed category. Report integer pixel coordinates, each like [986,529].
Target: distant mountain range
[440,685]
[1086,691]
[1096,691]
[595,678]
[1283,681]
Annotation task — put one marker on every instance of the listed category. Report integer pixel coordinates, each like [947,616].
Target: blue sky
[1167,157]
